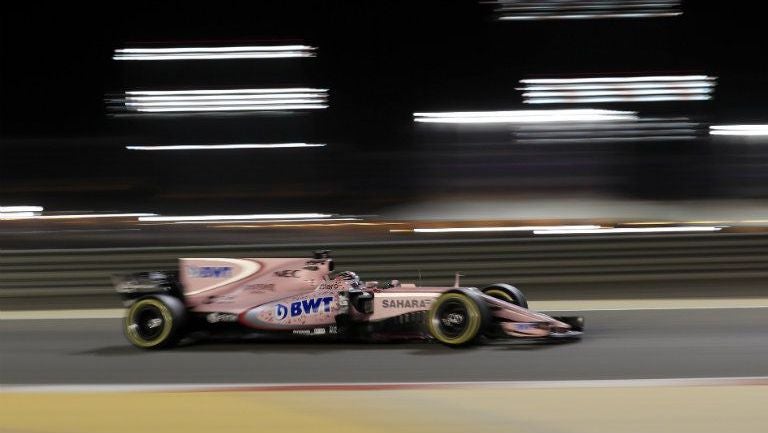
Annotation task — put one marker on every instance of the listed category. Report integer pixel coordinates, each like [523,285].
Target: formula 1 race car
[300,296]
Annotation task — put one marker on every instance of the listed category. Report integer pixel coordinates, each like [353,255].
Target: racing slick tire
[458,317]
[506,292]
[155,322]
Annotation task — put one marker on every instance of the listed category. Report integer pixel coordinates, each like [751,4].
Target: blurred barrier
[523,261]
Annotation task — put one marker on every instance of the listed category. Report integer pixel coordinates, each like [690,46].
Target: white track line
[584,305]
[649,304]
[101,313]
[378,386]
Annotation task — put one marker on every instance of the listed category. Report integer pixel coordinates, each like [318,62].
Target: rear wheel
[457,318]
[155,322]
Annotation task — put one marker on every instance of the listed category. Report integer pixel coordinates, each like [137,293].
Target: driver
[350,278]
[345,280]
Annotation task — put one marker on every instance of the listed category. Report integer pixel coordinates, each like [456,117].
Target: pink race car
[299,296]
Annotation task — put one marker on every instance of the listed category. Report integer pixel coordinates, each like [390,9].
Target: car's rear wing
[136,285]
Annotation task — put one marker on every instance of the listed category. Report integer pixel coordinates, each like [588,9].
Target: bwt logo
[306,306]
[209,271]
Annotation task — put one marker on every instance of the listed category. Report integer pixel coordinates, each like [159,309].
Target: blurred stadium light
[21,208]
[620,230]
[215,53]
[170,101]
[652,129]
[225,146]
[32,216]
[518,10]
[14,212]
[617,89]
[183,218]
[495,229]
[743,130]
[524,116]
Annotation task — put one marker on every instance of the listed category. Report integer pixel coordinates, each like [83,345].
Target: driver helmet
[349,276]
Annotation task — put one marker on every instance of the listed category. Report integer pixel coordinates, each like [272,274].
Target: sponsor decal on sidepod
[209,271]
[406,303]
[306,306]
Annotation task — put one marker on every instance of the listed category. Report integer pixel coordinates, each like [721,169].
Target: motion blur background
[606,156]
[402,121]
[406,121]
[64,149]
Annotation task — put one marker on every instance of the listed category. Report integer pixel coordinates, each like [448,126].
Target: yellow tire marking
[499,294]
[473,316]
[133,335]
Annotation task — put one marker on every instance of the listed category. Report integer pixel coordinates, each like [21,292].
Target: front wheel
[155,322]
[457,318]
[507,293]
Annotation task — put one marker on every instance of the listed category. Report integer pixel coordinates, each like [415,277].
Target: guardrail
[523,261]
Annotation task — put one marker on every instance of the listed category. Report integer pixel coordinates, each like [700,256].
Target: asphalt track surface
[617,345]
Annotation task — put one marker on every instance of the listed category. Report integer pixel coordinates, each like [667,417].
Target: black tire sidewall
[174,318]
[473,303]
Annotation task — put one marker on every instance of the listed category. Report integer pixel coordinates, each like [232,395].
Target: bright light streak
[224,146]
[15,215]
[642,125]
[228,97]
[739,130]
[630,92]
[605,139]
[159,101]
[587,100]
[267,221]
[219,56]
[616,79]
[525,116]
[232,217]
[317,224]
[607,86]
[215,49]
[21,209]
[589,16]
[235,108]
[585,9]
[651,129]
[215,53]
[80,216]
[222,103]
[721,222]
[499,229]
[618,89]
[613,230]
[223,91]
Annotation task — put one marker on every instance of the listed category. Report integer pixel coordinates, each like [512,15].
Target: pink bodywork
[297,294]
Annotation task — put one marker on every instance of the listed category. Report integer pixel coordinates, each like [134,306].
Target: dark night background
[382,61]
